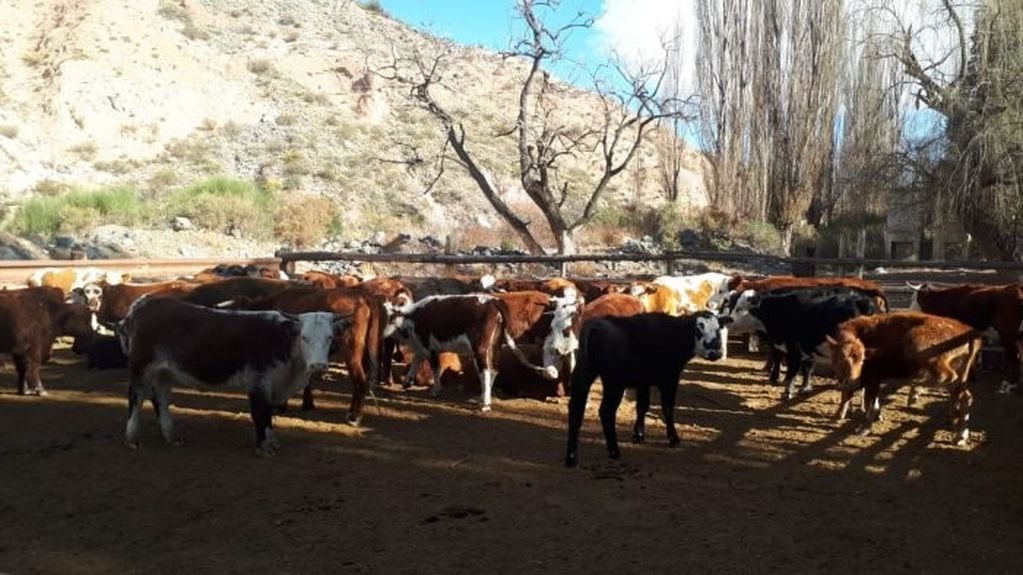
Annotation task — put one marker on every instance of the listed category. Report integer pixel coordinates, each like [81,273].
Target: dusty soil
[430,485]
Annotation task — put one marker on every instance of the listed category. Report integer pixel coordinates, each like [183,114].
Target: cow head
[708,343]
[563,340]
[93,294]
[317,331]
[847,357]
[742,314]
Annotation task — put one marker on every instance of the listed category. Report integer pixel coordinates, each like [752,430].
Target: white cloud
[635,29]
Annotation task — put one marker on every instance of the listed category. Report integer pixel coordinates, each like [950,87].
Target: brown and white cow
[591,289]
[358,344]
[476,324]
[996,308]
[268,354]
[30,321]
[559,287]
[905,346]
[69,279]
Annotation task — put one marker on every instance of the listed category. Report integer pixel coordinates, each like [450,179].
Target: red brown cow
[268,354]
[358,343]
[116,300]
[999,308]
[559,287]
[476,324]
[612,304]
[217,293]
[30,321]
[593,289]
[330,281]
[904,346]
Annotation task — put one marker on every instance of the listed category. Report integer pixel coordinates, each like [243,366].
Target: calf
[590,290]
[999,308]
[30,321]
[639,351]
[476,324]
[905,346]
[559,287]
[69,279]
[267,353]
[798,321]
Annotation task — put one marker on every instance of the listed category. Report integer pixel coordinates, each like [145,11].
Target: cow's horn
[917,287]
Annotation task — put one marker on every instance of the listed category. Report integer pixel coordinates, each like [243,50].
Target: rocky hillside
[159,94]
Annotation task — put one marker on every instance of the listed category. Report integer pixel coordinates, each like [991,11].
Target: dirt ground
[430,485]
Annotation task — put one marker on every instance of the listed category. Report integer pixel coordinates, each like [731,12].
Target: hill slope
[158,94]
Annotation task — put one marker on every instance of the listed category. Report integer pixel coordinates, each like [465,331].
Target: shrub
[77,211]
[224,205]
[373,6]
[261,67]
[303,220]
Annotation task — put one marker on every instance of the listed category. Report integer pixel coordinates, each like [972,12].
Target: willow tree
[546,127]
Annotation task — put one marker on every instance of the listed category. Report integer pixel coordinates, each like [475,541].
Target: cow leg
[773,364]
[262,419]
[843,407]
[668,393]
[21,365]
[724,343]
[360,387]
[308,403]
[806,370]
[487,377]
[161,405]
[1011,343]
[33,363]
[793,363]
[413,367]
[870,399]
[131,428]
[962,399]
[435,369]
[384,374]
[613,393]
[642,405]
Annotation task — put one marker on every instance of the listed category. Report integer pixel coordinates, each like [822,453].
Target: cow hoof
[176,442]
[637,438]
[673,441]
[484,408]
[354,421]
[614,454]
[863,431]
[572,460]
[134,445]
[264,452]
[308,406]
[42,392]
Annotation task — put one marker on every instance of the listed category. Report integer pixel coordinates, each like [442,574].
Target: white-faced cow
[640,351]
[269,354]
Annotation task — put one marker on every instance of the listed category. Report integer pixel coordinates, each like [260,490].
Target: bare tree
[543,137]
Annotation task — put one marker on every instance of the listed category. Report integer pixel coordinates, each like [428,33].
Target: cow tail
[374,340]
[510,342]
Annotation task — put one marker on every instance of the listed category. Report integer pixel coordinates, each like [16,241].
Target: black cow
[639,351]
[798,321]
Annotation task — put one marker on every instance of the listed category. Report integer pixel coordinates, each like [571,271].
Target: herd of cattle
[271,336]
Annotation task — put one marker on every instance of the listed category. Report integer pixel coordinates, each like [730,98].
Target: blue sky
[493,24]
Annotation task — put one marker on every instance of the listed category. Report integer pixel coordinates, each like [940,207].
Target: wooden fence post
[449,249]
